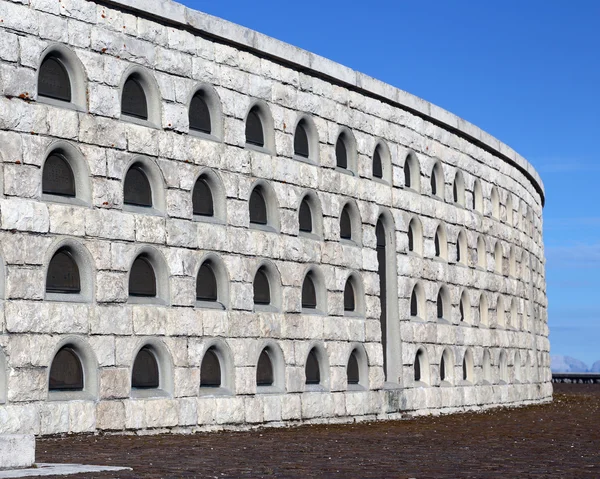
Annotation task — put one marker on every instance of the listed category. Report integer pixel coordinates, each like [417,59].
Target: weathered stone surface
[106,326]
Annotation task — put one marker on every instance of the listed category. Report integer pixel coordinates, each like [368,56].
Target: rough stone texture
[168,41]
[17,451]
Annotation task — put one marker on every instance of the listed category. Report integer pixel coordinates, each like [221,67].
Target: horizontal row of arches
[70,277]
[462,253]
[506,311]
[73,369]
[62,79]
[143,190]
[493,371]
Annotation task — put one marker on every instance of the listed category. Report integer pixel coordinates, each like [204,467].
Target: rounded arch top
[143,79]
[76,75]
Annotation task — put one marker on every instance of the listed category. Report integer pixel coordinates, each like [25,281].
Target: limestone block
[241,296]
[254,409]
[79,34]
[338,378]
[184,322]
[123,46]
[54,417]
[295,379]
[110,225]
[186,382]
[61,123]
[357,403]
[82,417]
[104,349]
[24,249]
[20,419]
[108,319]
[150,229]
[178,350]
[215,323]
[24,215]
[141,139]
[188,411]
[230,410]
[9,46]
[102,131]
[111,287]
[24,282]
[273,408]
[115,383]
[65,220]
[104,100]
[135,414]
[245,380]
[316,405]
[27,350]
[161,413]
[17,451]
[207,411]
[110,415]
[149,320]
[17,82]
[182,233]
[179,204]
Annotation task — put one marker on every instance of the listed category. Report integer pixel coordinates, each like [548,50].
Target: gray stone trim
[323,359]
[81,173]
[226,361]
[153,96]
[85,264]
[161,272]
[215,107]
[89,363]
[313,139]
[157,185]
[363,367]
[77,75]
[165,369]
[278,362]
[221,275]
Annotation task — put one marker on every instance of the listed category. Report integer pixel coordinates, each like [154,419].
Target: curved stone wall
[455,217]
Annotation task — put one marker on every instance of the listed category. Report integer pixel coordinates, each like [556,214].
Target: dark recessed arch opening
[199,114]
[63,274]
[53,80]
[262,288]
[57,177]
[254,128]
[145,370]
[352,370]
[305,217]
[264,370]
[312,370]
[133,99]
[137,189]
[202,198]
[301,144]
[258,207]
[66,371]
[206,284]
[349,299]
[210,370]
[142,279]
[309,294]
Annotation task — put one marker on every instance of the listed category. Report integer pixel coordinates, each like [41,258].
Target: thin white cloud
[576,255]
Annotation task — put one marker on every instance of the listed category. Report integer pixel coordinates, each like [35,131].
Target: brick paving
[558,440]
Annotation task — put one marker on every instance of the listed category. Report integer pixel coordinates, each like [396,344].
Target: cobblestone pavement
[558,440]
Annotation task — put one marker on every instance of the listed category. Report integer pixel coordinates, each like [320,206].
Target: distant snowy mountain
[567,364]
[595,367]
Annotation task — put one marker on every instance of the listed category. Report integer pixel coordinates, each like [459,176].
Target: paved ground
[558,440]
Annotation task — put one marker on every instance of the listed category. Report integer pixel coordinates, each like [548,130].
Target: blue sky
[527,72]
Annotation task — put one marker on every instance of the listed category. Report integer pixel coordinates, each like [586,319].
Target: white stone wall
[108,42]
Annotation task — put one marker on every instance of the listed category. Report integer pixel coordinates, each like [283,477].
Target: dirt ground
[558,440]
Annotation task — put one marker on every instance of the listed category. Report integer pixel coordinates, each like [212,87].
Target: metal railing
[576,378]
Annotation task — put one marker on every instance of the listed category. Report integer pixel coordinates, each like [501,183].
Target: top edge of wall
[174,13]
